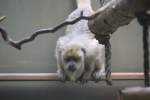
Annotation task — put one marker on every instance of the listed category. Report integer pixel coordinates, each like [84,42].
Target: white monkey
[79,55]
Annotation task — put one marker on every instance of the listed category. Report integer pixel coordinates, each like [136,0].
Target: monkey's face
[73,62]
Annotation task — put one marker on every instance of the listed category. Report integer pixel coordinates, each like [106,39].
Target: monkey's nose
[72,68]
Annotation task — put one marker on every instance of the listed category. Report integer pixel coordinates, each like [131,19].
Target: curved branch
[18,44]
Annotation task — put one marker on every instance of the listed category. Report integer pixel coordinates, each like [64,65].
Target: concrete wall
[24,17]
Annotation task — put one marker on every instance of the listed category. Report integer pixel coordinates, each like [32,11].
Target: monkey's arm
[60,70]
[100,63]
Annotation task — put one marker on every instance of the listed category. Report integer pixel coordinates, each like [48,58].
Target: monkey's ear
[83,50]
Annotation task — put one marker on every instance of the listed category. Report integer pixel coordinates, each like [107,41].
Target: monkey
[80,58]
[79,55]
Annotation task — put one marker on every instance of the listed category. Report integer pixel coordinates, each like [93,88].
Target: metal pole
[54,76]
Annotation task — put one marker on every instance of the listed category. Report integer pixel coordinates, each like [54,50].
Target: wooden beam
[54,76]
[135,93]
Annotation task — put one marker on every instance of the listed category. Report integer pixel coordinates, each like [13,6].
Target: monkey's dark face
[73,62]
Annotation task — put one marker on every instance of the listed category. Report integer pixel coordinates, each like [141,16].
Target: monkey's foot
[62,78]
[97,76]
[109,81]
[83,81]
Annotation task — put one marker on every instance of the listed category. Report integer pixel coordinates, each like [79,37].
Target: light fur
[80,43]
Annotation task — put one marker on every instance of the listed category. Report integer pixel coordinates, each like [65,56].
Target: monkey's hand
[97,75]
[61,75]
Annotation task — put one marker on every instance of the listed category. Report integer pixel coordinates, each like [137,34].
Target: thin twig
[18,44]
[2,18]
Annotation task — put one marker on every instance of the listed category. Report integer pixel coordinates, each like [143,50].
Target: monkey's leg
[60,71]
[61,75]
[99,70]
[87,74]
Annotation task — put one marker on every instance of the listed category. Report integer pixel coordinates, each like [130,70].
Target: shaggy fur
[79,51]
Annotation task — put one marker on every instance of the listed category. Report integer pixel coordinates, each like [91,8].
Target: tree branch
[106,20]
[18,44]
[2,18]
[115,14]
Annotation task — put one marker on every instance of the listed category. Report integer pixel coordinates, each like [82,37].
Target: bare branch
[2,18]
[18,44]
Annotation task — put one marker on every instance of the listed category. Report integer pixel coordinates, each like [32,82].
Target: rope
[144,21]
[104,39]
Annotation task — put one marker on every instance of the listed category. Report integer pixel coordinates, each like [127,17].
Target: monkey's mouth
[72,68]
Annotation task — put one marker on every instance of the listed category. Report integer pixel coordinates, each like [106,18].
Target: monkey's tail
[83,4]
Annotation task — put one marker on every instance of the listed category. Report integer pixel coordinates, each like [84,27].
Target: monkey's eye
[72,59]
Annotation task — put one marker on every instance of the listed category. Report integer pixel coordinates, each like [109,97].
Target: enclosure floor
[40,90]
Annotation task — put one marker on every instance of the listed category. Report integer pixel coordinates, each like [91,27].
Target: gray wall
[25,16]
